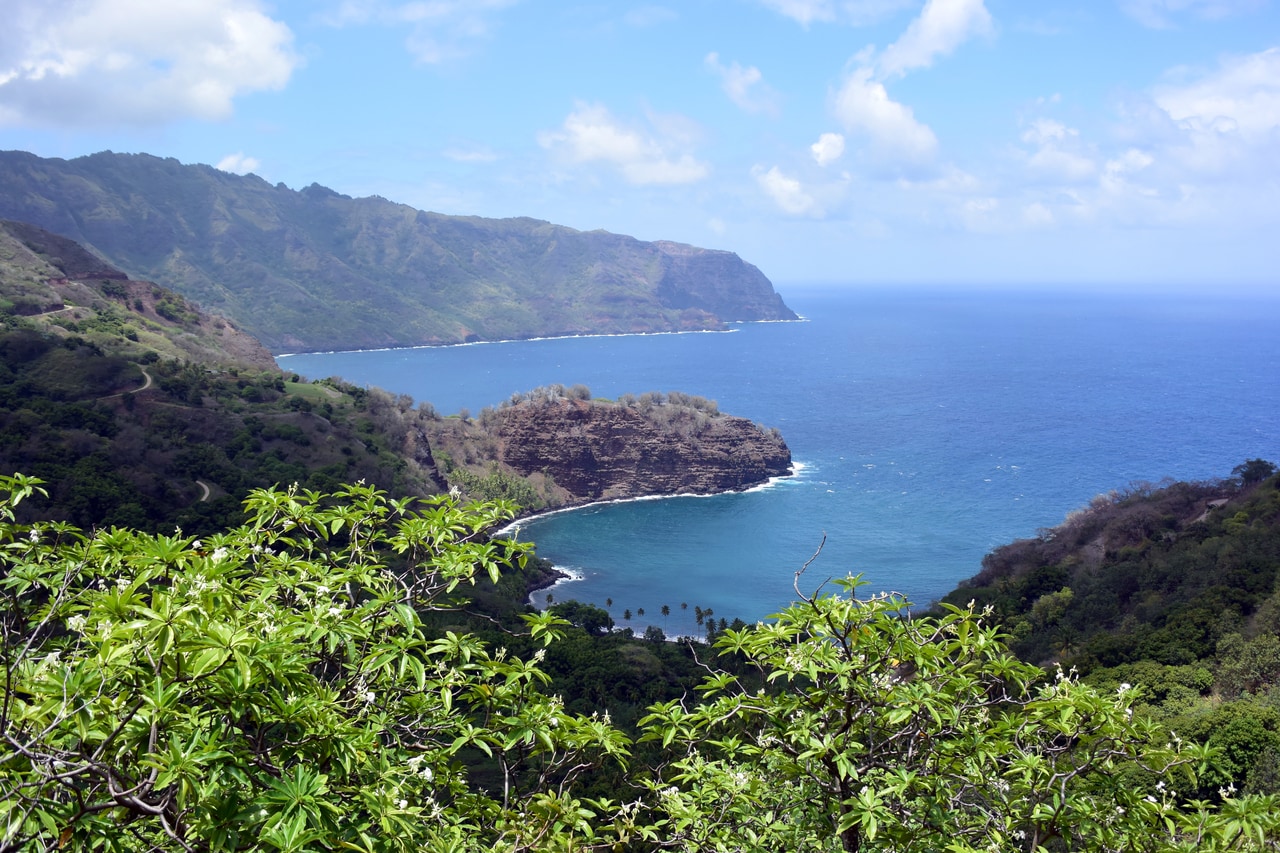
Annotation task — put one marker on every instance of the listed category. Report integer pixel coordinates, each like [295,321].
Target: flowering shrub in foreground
[274,688]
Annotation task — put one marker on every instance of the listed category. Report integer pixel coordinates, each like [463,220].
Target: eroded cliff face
[594,450]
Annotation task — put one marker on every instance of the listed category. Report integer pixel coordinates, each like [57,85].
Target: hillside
[139,408]
[315,270]
[1158,573]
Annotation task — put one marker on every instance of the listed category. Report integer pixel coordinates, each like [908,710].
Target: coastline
[567,574]
[527,340]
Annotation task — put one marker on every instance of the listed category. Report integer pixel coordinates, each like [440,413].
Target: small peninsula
[556,447]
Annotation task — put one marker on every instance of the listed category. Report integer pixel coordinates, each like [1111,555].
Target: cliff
[317,270]
[549,449]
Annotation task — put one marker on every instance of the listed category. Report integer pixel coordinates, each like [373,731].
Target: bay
[930,427]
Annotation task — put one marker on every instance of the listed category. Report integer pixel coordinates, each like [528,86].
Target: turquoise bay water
[931,428]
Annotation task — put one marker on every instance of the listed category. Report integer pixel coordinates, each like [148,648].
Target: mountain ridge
[314,270]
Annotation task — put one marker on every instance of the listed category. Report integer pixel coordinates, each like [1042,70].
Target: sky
[1122,144]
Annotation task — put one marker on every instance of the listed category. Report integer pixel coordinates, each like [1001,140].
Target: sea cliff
[551,449]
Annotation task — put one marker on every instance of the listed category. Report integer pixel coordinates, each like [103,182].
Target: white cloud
[941,27]
[828,149]
[439,30]
[238,164]
[1058,155]
[1161,14]
[470,155]
[744,86]
[855,12]
[1037,215]
[649,16]
[864,107]
[786,192]
[804,11]
[591,134]
[75,62]
[1243,96]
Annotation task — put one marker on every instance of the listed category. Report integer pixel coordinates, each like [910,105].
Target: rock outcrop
[595,450]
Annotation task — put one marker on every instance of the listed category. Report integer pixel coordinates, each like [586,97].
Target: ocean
[928,428]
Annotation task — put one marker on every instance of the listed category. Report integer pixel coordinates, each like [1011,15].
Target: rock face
[602,451]
[312,269]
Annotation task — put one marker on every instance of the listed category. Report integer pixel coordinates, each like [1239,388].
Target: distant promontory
[314,270]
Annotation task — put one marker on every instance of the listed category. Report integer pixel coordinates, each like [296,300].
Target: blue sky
[1090,143]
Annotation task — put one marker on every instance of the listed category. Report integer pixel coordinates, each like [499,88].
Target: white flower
[33,535]
[335,611]
[1124,687]
[370,697]
[219,554]
[402,805]
[76,623]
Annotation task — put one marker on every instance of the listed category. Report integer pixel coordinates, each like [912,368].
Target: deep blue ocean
[930,428]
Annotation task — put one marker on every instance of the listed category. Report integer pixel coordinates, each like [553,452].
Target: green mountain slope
[139,409]
[316,270]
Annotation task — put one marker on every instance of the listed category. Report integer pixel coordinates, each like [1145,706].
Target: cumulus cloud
[787,192]
[865,108]
[439,30]
[1162,14]
[1242,96]
[941,27]
[591,134]
[77,62]
[828,149]
[1057,155]
[238,164]
[744,86]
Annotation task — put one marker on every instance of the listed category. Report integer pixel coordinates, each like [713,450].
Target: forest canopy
[287,685]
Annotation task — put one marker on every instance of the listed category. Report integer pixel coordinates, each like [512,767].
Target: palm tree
[626,614]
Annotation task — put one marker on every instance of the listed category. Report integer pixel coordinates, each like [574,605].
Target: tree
[879,732]
[1253,471]
[273,687]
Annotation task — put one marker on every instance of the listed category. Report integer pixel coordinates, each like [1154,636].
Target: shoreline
[799,319]
[567,575]
[547,337]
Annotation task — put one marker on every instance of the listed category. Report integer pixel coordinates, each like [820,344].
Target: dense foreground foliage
[277,687]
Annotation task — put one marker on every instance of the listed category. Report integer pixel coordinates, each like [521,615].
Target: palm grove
[305,681]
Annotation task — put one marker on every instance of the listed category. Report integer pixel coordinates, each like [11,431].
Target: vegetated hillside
[316,270]
[1172,589]
[1152,573]
[556,447]
[137,408]
[60,288]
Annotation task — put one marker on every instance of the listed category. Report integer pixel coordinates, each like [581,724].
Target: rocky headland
[567,449]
